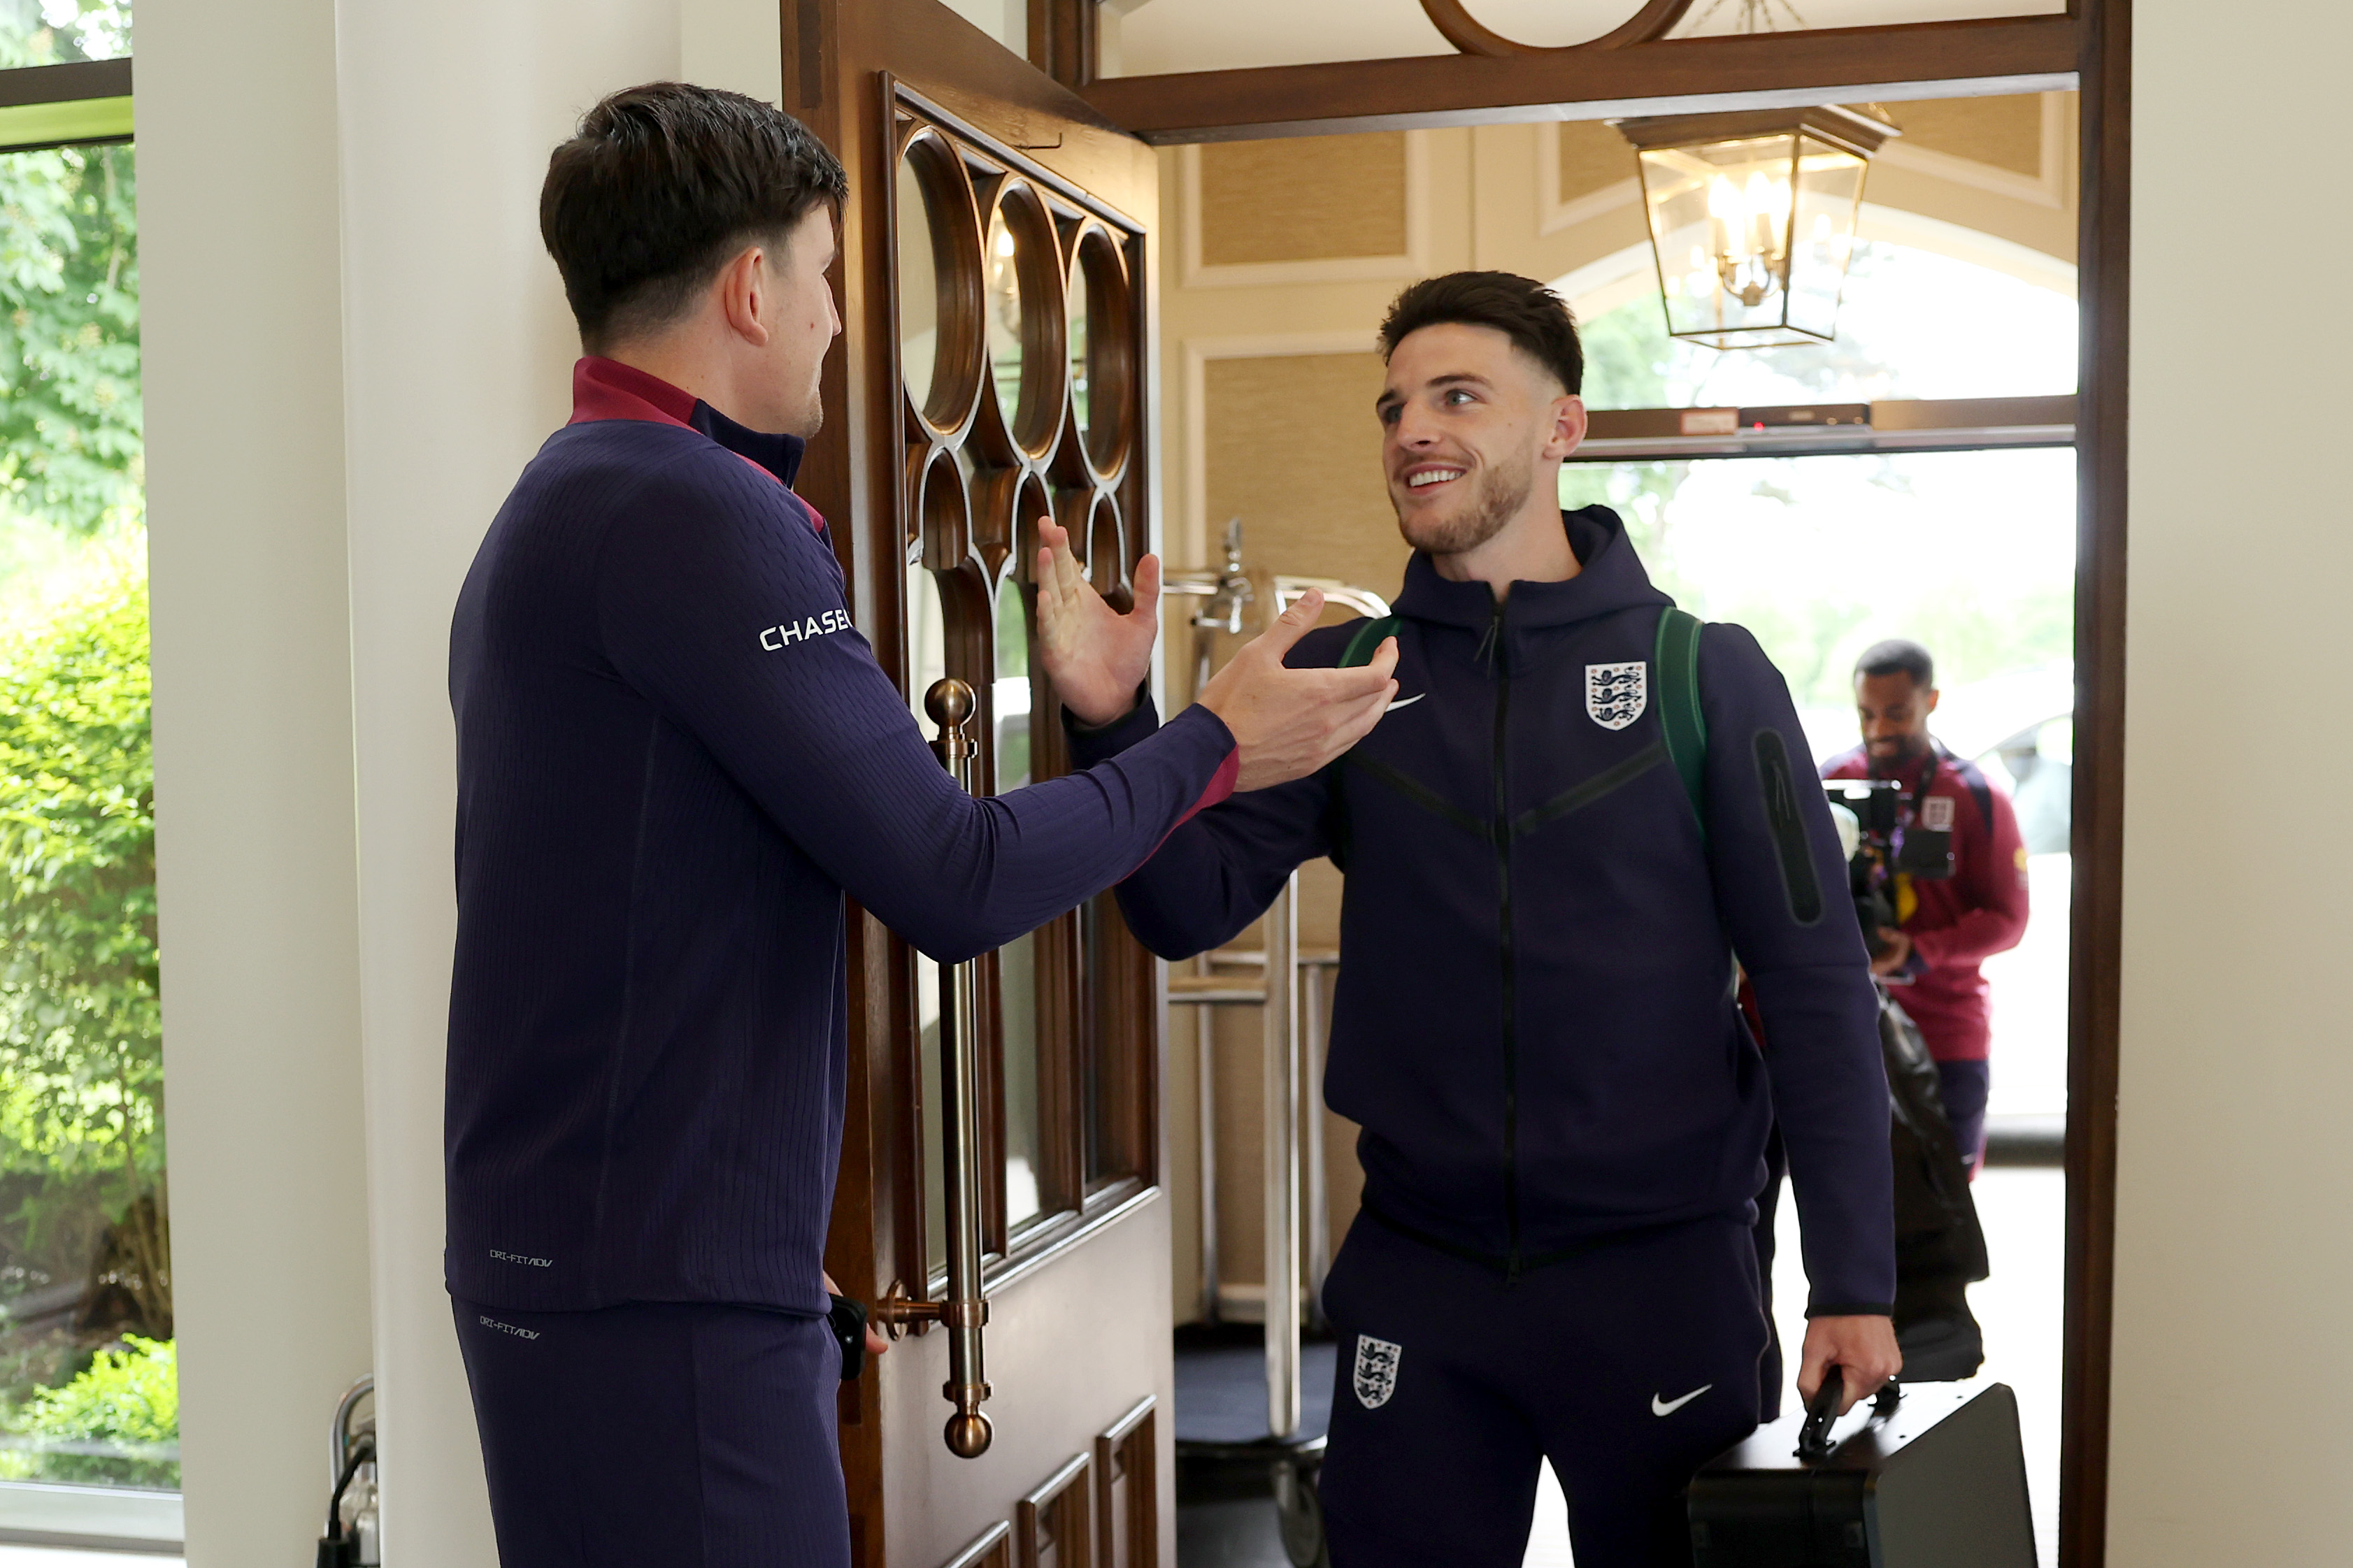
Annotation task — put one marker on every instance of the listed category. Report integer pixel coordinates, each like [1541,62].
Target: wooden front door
[996,254]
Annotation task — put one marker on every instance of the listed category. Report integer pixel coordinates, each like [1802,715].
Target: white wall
[253,757]
[458,349]
[355,340]
[2233,1369]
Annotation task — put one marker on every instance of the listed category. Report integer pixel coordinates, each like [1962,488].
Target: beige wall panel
[1592,155]
[1294,450]
[2003,133]
[2051,230]
[1311,199]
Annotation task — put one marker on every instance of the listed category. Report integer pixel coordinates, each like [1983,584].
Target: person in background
[1946,927]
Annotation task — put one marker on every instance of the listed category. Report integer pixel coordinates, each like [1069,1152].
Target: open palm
[1095,657]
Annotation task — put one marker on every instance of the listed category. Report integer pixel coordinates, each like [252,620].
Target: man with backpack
[1580,811]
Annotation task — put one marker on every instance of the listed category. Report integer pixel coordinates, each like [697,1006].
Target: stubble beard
[1496,499]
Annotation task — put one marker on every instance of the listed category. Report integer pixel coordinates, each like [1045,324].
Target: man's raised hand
[1290,722]
[1095,657]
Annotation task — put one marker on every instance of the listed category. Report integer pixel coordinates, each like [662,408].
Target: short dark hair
[658,187]
[1898,654]
[1537,320]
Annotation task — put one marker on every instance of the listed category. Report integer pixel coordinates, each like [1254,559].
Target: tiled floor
[1230,1522]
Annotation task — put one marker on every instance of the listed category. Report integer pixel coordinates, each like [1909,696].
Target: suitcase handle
[1821,1413]
[1814,1443]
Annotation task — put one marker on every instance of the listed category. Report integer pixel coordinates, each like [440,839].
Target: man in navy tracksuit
[1564,1115]
[675,754]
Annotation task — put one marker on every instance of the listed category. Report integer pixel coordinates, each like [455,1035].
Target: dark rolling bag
[1932,1476]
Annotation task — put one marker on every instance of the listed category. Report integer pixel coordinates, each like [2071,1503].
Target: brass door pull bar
[964,1310]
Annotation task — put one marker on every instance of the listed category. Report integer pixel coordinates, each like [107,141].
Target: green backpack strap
[1677,663]
[1368,641]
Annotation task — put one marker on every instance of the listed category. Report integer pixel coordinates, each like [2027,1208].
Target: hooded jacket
[1535,1023]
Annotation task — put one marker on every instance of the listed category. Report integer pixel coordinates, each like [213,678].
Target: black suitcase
[1928,1476]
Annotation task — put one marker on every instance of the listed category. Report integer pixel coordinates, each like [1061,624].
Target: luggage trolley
[1218,1417]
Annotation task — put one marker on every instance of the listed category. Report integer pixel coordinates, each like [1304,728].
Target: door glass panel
[1076,336]
[1004,352]
[1012,692]
[919,288]
[927,661]
[1017,961]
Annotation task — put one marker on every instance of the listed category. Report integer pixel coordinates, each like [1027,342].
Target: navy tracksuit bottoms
[686,1435]
[1628,1366]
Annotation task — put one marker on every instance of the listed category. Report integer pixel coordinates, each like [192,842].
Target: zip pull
[1491,643]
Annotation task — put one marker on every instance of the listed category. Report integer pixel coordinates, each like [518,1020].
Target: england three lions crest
[1376,1370]
[1616,694]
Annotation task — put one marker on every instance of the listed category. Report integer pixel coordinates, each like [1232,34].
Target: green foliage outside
[116,1423]
[1977,627]
[84,1264]
[81,1074]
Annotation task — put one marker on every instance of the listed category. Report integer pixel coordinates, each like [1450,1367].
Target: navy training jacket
[1536,1025]
[674,754]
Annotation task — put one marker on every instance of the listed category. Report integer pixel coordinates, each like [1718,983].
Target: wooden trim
[1472,36]
[1921,59]
[992,1547]
[68,83]
[1062,39]
[1060,1510]
[1129,1451]
[2095,984]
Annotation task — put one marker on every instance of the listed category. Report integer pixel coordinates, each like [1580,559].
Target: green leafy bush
[126,1400]
[81,1070]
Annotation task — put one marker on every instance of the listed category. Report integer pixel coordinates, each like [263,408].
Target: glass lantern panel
[1828,199]
[1720,217]
[1004,314]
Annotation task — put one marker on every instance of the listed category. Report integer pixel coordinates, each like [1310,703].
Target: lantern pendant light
[1752,217]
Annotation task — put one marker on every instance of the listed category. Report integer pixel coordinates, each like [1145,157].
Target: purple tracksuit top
[675,755]
[1536,1025]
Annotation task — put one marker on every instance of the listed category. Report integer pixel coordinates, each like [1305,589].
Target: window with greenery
[88,1384]
[1972,553]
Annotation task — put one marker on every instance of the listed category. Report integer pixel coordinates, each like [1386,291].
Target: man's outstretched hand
[1290,722]
[1861,1348]
[1095,657]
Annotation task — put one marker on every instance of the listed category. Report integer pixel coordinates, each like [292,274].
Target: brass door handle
[964,1310]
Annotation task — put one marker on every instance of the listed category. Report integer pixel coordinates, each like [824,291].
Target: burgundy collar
[608,389]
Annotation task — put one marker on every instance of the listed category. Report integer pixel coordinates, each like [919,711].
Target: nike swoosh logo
[1669,1407]
[1397,702]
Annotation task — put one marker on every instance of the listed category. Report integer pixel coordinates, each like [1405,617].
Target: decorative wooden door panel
[994,370]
